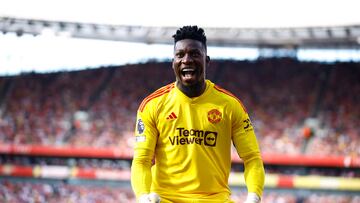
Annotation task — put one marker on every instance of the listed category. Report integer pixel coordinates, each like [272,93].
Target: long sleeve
[247,147]
[141,171]
[144,147]
[254,168]
[254,173]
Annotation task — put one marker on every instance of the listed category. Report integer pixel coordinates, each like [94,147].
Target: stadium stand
[97,107]
[81,123]
[17,191]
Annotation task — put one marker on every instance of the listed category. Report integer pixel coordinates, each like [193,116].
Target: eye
[179,54]
[195,54]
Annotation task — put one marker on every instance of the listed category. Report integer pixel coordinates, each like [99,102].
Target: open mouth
[188,73]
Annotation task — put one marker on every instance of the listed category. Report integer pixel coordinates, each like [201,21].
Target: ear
[207,59]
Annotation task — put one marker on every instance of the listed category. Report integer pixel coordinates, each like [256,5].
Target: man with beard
[184,133]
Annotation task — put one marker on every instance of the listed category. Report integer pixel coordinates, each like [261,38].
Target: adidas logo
[172,116]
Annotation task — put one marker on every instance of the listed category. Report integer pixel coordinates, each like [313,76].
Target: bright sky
[224,13]
[44,52]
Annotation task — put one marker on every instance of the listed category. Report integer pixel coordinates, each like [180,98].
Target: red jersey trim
[155,94]
[230,94]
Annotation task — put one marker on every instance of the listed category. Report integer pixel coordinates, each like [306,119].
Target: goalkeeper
[184,133]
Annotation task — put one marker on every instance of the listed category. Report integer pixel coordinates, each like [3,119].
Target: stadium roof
[42,35]
[317,23]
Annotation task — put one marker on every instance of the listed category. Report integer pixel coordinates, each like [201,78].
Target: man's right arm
[144,146]
[141,172]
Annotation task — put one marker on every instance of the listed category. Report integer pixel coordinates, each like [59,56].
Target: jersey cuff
[252,198]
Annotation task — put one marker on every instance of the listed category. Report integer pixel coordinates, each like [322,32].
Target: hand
[149,198]
[252,198]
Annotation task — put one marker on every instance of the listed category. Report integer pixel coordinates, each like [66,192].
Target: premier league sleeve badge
[140,126]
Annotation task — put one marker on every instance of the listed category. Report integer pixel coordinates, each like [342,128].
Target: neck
[193,90]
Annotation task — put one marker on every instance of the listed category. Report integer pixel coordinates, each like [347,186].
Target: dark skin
[189,64]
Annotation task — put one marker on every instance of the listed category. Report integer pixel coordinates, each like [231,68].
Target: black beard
[193,90]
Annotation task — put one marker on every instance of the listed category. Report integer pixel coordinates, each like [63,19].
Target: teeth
[187,69]
[187,72]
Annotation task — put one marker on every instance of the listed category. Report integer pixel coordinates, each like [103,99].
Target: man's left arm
[247,147]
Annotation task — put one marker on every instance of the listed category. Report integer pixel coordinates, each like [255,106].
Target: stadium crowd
[60,192]
[97,107]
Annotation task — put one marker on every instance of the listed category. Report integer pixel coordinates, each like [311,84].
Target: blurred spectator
[14,192]
[97,107]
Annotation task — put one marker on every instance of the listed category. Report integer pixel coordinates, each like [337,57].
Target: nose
[187,59]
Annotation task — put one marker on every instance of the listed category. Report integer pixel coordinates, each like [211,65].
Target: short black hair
[190,32]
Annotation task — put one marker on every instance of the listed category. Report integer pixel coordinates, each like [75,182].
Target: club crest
[214,116]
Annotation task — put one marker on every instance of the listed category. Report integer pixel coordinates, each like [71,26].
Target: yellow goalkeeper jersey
[190,140]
